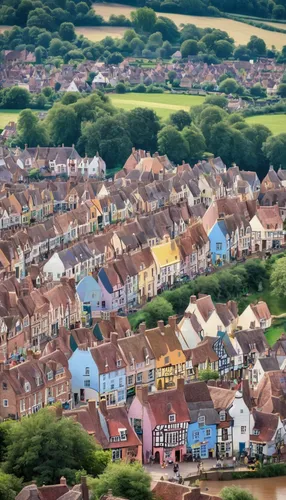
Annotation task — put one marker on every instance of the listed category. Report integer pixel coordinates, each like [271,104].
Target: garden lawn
[240,32]
[276,123]
[273,333]
[162,104]
[10,115]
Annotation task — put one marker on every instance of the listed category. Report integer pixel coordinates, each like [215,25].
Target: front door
[177,456]
[204,451]
[157,457]
[241,447]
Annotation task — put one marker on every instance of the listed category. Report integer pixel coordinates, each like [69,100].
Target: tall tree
[144,19]
[63,125]
[172,143]
[144,126]
[278,278]
[46,447]
[196,142]
[275,150]
[129,481]
[30,130]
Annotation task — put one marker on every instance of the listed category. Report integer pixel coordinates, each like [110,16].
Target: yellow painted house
[167,258]
[147,274]
[170,358]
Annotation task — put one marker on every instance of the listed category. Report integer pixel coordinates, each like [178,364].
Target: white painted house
[241,423]
[267,433]
[85,377]
[262,366]
[255,316]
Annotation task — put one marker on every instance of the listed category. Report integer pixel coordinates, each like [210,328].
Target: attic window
[50,375]
[4,386]
[27,386]
[256,432]
[118,363]
[172,417]
[202,421]
[222,416]
[123,434]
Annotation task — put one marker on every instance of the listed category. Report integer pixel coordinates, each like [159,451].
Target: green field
[10,115]
[163,104]
[276,123]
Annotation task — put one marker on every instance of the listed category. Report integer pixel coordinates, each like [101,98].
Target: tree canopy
[45,447]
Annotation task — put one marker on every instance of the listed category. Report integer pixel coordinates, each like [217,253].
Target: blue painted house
[219,242]
[112,371]
[201,437]
[85,376]
[89,293]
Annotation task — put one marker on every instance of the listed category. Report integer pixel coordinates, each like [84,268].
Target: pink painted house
[161,419]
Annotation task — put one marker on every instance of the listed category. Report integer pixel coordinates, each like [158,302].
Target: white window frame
[5,403]
[222,416]
[172,418]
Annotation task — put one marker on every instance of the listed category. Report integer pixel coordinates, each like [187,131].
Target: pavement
[185,469]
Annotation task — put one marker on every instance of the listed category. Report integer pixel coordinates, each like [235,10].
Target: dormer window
[201,421]
[147,360]
[123,434]
[172,418]
[256,432]
[222,416]
[87,371]
[27,386]
[118,363]
[50,375]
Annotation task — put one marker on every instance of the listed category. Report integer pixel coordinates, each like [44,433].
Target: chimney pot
[193,299]
[102,407]
[172,322]
[63,480]
[142,394]
[180,384]
[142,327]
[161,325]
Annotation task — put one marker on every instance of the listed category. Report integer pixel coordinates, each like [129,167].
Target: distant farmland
[162,104]
[275,123]
[100,32]
[240,32]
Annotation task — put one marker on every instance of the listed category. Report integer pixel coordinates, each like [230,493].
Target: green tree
[180,119]
[129,481]
[172,75]
[67,32]
[278,278]
[223,49]
[70,98]
[236,493]
[63,125]
[208,374]
[275,150]
[16,98]
[144,19]
[216,100]
[143,126]
[168,29]
[189,48]
[30,130]
[256,274]
[209,116]
[158,309]
[9,486]
[120,88]
[196,142]
[110,136]
[228,86]
[242,53]
[46,447]
[208,285]
[257,134]
[44,39]
[257,90]
[257,46]
[279,12]
[282,90]
[172,143]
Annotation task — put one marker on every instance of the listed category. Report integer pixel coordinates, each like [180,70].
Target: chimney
[180,384]
[114,338]
[34,493]
[142,394]
[172,320]
[59,411]
[91,405]
[84,488]
[161,325]
[193,299]
[133,150]
[63,481]
[63,145]
[196,494]
[102,407]
[26,146]
[142,327]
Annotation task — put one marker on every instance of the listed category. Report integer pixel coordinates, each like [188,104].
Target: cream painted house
[255,316]
[267,229]
[213,318]
[189,331]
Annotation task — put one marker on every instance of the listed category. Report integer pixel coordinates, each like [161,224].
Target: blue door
[241,447]
[204,451]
